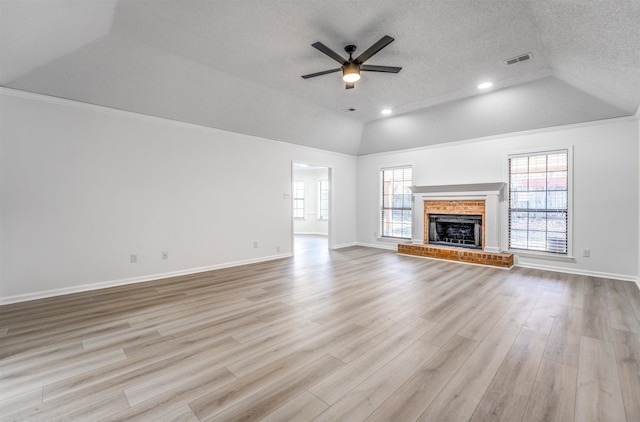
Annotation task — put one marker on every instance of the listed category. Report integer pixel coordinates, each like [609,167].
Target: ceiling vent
[519,59]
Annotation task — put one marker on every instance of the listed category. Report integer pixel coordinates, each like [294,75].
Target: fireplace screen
[456,230]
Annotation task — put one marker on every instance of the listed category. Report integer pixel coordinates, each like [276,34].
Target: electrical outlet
[165,255]
[134,258]
[586,253]
[277,248]
[255,243]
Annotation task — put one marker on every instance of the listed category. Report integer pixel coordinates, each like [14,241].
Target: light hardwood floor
[354,334]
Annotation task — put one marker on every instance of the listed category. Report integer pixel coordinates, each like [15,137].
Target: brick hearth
[456,206]
[503,260]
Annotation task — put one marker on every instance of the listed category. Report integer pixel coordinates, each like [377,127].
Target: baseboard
[344,245]
[389,247]
[114,283]
[613,276]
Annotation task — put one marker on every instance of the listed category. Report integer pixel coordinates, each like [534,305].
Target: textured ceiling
[236,65]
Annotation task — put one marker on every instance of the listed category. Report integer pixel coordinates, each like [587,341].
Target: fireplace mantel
[471,189]
[490,193]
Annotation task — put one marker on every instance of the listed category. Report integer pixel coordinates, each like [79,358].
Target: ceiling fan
[351,67]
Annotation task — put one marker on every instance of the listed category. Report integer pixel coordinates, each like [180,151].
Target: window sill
[543,255]
[393,239]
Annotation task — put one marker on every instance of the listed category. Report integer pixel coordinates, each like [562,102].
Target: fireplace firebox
[460,230]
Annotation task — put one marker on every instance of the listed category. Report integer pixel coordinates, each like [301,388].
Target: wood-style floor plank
[243,387]
[484,320]
[633,293]
[553,394]
[332,388]
[178,397]
[598,394]
[621,312]
[277,394]
[595,315]
[360,402]
[412,398]
[460,397]
[129,372]
[544,312]
[506,397]
[352,334]
[564,340]
[24,381]
[573,294]
[302,408]
[627,346]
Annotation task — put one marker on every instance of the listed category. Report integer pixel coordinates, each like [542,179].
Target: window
[323,200]
[538,202]
[298,199]
[396,202]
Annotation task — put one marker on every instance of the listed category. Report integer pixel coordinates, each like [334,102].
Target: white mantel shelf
[473,188]
[489,192]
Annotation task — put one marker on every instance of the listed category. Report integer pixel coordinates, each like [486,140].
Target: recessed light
[386,111]
[485,85]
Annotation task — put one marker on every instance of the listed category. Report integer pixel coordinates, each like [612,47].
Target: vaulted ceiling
[236,64]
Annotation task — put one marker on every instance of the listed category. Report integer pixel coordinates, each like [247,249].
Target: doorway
[311,208]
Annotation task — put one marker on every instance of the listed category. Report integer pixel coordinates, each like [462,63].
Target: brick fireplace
[455,208]
[471,211]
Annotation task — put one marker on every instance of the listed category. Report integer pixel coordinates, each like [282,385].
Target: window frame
[507,201]
[382,208]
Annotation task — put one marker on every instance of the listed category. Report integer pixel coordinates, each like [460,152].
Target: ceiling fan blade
[324,72]
[366,55]
[350,85]
[373,68]
[329,52]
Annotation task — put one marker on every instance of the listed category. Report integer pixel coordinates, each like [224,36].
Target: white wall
[83,187]
[605,181]
[310,224]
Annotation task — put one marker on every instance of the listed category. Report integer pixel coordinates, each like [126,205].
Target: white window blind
[396,202]
[298,199]
[323,199]
[538,202]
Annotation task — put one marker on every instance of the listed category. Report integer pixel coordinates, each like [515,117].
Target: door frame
[330,235]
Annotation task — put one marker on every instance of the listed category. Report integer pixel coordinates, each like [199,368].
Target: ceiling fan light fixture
[351,72]
[352,67]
